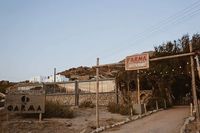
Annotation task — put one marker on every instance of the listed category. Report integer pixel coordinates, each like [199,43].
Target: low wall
[104,98]
[65,99]
[69,99]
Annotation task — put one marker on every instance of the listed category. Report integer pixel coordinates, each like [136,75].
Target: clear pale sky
[38,35]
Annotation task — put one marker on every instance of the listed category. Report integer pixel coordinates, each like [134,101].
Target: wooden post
[54,80]
[145,108]
[116,93]
[40,117]
[198,66]
[76,94]
[194,85]
[191,109]
[165,103]
[131,112]
[138,86]
[157,105]
[97,94]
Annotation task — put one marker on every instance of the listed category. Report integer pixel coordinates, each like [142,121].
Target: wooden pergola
[191,54]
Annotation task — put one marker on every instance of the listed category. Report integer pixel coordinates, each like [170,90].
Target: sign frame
[25,102]
[137,62]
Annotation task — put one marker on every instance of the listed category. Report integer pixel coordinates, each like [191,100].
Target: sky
[37,36]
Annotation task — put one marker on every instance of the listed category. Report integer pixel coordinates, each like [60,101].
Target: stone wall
[69,99]
[104,98]
[65,99]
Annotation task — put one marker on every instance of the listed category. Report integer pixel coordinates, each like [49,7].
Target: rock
[128,120]
[93,127]
[83,131]
[137,117]
[68,124]
[107,127]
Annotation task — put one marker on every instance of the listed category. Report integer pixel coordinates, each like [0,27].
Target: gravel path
[168,121]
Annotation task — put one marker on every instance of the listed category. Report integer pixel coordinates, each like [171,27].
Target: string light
[166,72]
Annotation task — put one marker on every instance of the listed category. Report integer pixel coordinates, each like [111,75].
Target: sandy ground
[168,121]
[84,121]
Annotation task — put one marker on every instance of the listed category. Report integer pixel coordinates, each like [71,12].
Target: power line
[175,19]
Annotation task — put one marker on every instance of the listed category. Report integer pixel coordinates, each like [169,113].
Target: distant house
[44,79]
[59,78]
[38,79]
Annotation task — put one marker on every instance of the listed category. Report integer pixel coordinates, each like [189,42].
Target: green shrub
[53,109]
[151,105]
[125,110]
[113,107]
[120,108]
[87,104]
[3,90]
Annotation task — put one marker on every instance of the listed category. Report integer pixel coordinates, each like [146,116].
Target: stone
[68,124]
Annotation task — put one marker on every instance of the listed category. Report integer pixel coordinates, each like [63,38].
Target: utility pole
[194,84]
[97,94]
[54,80]
[138,85]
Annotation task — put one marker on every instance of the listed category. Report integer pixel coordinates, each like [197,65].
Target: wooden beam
[172,56]
[153,59]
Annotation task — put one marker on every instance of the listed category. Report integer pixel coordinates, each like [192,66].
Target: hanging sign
[136,62]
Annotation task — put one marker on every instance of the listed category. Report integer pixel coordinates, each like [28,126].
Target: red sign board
[136,62]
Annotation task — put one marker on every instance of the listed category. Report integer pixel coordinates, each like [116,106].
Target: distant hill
[86,73]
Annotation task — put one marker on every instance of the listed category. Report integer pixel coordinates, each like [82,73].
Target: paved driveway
[168,121]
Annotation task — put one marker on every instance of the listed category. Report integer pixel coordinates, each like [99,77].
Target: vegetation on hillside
[4,85]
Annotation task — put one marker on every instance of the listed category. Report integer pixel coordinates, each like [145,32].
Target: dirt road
[168,121]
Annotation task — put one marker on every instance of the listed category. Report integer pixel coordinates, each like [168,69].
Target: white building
[59,78]
[43,79]
[38,79]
